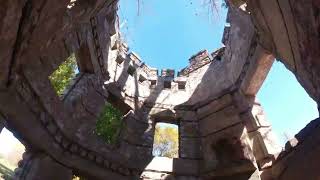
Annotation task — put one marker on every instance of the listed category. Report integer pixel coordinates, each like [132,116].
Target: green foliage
[166,143]
[61,77]
[109,124]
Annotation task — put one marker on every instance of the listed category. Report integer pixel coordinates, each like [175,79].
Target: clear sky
[289,108]
[167,32]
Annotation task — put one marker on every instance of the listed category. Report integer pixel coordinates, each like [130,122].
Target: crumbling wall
[290,33]
[223,130]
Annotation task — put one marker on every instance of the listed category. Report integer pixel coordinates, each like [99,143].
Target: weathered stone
[43,167]
[220,120]
[189,129]
[190,148]
[214,106]
[212,100]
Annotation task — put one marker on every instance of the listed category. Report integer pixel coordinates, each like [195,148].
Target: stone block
[214,106]
[186,167]
[241,171]
[261,63]
[136,132]
[209,143]
[186,115]
[135,58]
[260,116]
[264,143]
[43,167]
[225,36]
[190,148]
[219,120]
[255,118]
[189,129]
[137,156]
[153,72]
[167,73]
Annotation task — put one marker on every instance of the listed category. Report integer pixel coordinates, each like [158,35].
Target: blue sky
[168,32]
[287,105]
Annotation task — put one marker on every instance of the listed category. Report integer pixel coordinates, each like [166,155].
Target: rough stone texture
[38,166]
[224,133]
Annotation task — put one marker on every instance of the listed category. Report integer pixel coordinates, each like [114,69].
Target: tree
[109,124]
[166,142]
[61,77]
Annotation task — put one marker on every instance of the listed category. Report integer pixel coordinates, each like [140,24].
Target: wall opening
[181,85]
[166,140]
[142,79]
[109,124]
[167,84]
[10,154]
[287,105]
[131,70]
[153,83]
[64,74]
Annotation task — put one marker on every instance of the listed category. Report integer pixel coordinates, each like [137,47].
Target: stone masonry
[223,130]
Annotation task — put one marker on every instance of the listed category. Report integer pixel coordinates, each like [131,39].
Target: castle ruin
[223,131]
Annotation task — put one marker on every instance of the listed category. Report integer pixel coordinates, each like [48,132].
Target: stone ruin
[223,131]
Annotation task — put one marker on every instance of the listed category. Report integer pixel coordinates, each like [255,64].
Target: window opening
[167,84]
[142,79]
[131,70]
[63,75]
[109,124]
[153,83]
[166,140]
[10,154]
[181,85]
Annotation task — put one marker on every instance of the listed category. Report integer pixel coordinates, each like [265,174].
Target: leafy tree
[166,142]
[109,124]
[61,77]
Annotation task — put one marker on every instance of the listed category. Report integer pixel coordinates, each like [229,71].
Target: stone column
[263,141]
[39,166]
[189,136]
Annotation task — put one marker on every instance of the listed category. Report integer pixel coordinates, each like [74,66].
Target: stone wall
[224,133]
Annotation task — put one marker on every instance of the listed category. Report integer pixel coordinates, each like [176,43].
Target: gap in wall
[287,105]
[11,150]
[166,140]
